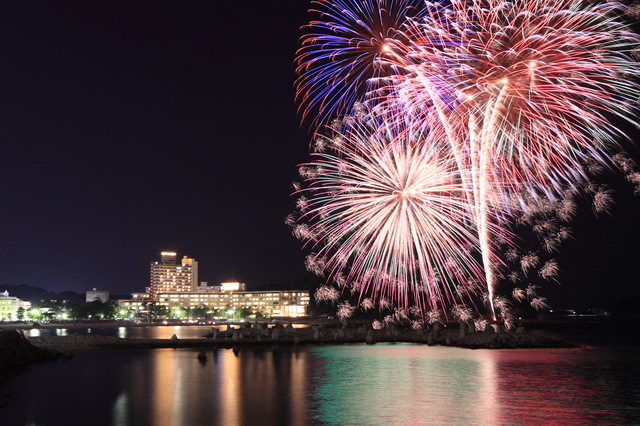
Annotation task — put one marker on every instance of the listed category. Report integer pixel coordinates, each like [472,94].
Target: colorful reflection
[381,384]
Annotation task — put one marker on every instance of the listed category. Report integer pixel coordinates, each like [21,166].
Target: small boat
[202,355]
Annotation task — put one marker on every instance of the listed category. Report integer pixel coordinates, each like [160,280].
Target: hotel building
[169,275]
[288,303]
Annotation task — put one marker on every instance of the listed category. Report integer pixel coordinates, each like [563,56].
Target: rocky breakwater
[247,334]
[16,352]
[496,337]
[464,336]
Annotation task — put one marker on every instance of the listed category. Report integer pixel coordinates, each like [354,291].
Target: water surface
[383,384]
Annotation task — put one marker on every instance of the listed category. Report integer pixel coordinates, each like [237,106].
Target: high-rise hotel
[169,275]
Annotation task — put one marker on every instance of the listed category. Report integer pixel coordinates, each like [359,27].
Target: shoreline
[535,334]
[263,335]
[306,321]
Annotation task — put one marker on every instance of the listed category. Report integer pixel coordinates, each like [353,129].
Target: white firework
[480,324]
[401,314]
[549,270]
[367,304]
[462,313]
[538,303]
[519,294]
[434,316]
[531,291]
[529,261]
[512,255]
[345,310]
[514,276]
[602,200]
[315,264]
[326,293]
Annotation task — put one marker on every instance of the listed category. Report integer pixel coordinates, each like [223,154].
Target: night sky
[128,128]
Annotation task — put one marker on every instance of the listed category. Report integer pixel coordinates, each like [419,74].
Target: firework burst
[339,54]
[388,210]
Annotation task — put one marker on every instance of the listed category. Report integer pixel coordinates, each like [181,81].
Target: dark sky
[128,128]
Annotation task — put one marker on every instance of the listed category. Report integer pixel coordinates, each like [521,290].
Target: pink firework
[531,84]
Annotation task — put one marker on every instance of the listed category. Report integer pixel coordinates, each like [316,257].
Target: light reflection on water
[138,332]
[383,384]
[144,332]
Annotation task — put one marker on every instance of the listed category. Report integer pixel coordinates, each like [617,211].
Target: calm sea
[383,384]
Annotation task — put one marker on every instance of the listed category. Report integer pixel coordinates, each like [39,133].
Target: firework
[504,107]
[519,294]
[345,310]
[388,211]
[528,84]
[339,54]
[326,293]
[462,313]
[367,304]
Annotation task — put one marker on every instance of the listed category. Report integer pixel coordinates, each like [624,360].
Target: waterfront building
[137,303]
[95,294]
[170,275]
[9,306]
[286,303]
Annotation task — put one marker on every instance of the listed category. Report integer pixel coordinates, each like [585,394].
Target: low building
[285,303]
[137,302]
[101,295]
[9,306]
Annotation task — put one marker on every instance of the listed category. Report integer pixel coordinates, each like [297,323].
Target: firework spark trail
[386,212]
[535,80]
[519,92]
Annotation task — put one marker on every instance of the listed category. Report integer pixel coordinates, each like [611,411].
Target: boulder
[463,329]
[16,352]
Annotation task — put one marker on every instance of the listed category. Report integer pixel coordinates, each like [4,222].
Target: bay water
[381,384]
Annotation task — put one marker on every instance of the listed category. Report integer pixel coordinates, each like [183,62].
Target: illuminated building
[289,303]
[101,295]
[9,306]
[233,286]
[168,275]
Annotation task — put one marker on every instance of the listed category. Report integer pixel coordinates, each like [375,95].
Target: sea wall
[16,352]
